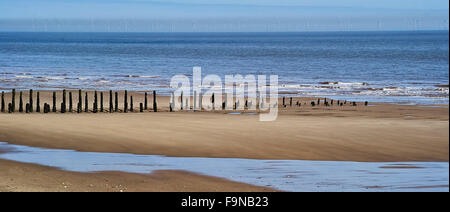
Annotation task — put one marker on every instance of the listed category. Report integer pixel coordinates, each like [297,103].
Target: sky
[222,15]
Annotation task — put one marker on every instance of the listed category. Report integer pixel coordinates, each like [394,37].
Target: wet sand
[20,177]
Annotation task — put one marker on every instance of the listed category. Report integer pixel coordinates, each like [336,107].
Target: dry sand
[384,132]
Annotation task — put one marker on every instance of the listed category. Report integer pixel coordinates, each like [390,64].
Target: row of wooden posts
[327,102]
[114,107]
[68,106]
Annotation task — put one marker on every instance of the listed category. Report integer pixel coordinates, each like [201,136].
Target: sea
[402,67]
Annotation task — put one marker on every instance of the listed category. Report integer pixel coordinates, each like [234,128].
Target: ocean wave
[136,76]
[24,76]
[344,83]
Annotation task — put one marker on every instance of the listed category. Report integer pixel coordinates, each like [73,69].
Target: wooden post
[86,103]
[181,100]
[318,101]
[313,103]
[13,101]
[200,102]
[54,102]
[125,102]
[95,108]
[38,106]
[131,104]
[145,102]
[27,108]
[3,102]
[141,107]
[80,102]
[31,100]
[10,108]
[213,100]
[46,110]
[332,101]
[63,104]
[290,101]
[172,104]
[116,109]
[20,103]
[110,101]
[366,103]
[195,100]
[101,101]
[155,104]
[354,104]
[284,104]
[225,102]
[70,102]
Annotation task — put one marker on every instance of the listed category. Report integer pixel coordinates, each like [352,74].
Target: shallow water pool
[286,175]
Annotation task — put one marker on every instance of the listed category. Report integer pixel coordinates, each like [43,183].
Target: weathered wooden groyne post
[195,101]
[13,101]
[20,103]
[80,102]
[200,102]
[54,102]
[318,101]
[86,103]
[110,101]
[313,103]
[46,108]
[181,100]
[366,103]
[70,102]
[101,101]
[2,109]
[125,102]
[31,100]
[284,101]
[63,104]
[131,103]
[10,108]
[95,108]
[141,107]
[38,102]
[172,104]
[116,108]
[213,100]
[155,104]
[290,101]
[145,102]
[27,108]
[354,104]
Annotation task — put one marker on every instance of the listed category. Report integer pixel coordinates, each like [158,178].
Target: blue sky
[222,15]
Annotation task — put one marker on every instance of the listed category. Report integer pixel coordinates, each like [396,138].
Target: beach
[378,132]
[15,177]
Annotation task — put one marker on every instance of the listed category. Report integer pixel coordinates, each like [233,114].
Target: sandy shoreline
[378,133]
[383,132]
[16,177]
